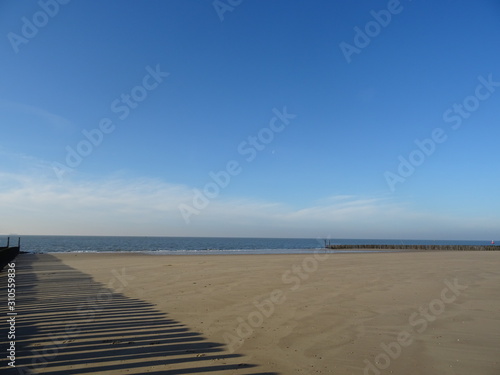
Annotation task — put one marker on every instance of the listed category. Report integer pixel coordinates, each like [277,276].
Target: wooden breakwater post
[415,247]
[8,253]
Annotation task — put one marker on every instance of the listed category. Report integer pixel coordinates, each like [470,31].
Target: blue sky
[180,89]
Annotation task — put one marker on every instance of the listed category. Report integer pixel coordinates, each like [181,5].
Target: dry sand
[435,313]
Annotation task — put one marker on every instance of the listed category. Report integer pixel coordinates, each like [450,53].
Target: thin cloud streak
[119,206]
[53,120]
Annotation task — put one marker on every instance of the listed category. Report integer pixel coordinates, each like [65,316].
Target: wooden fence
[8,253]
[415,247]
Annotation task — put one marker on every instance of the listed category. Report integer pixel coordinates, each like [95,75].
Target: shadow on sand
[79,326]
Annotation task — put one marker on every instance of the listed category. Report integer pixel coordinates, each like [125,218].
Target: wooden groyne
[8,253]
[415,247]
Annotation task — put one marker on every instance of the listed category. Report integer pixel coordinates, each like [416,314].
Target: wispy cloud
[21,161]
[120,206]
[53,120]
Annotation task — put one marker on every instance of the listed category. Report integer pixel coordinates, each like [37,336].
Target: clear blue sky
[358,92]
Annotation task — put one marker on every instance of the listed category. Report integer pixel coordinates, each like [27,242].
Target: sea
[200,245]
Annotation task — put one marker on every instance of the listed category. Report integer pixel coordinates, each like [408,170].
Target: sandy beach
[377,313]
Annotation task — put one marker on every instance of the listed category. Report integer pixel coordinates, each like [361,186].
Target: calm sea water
[196,245]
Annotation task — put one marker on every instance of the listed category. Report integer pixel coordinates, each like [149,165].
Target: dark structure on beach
[8,253]
[413,247]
